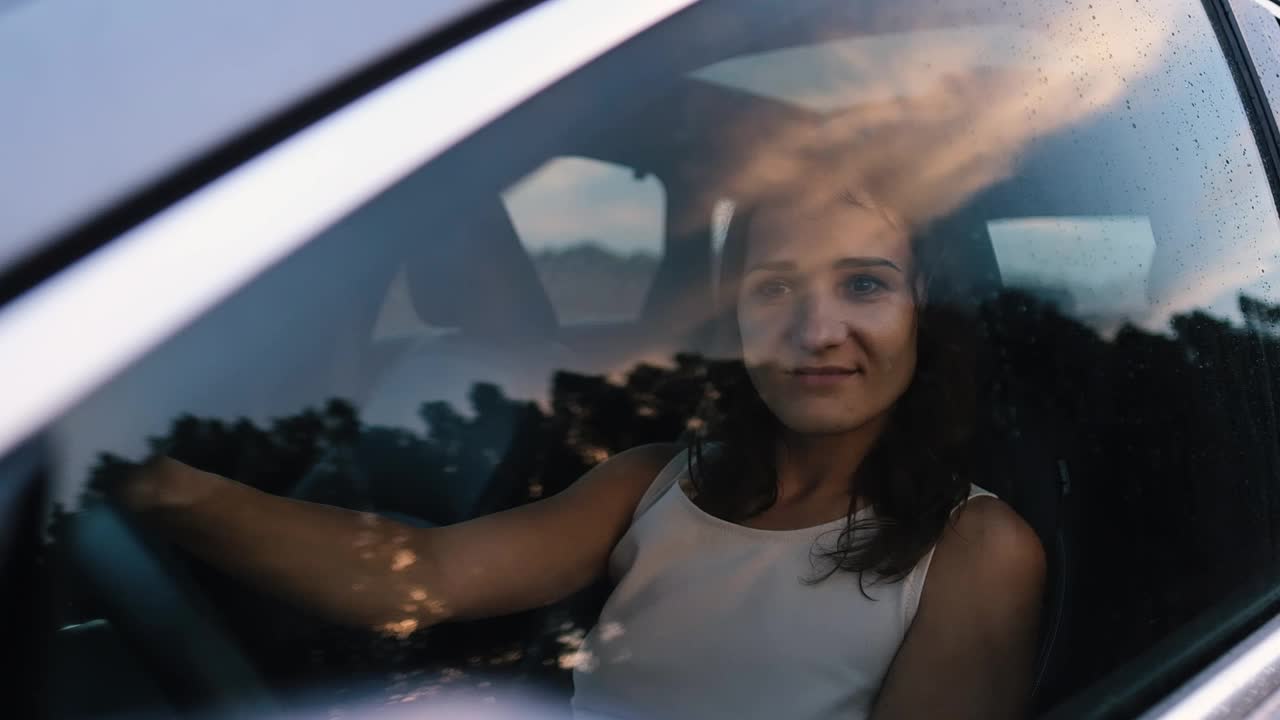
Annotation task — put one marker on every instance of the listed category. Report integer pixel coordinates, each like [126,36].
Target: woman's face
[827,314]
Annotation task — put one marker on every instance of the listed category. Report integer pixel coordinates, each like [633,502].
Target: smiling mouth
[820,372]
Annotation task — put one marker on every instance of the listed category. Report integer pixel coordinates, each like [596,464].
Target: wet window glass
[693,399]
[1260,30]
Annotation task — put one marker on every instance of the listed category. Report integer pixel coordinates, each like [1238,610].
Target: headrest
[475,276]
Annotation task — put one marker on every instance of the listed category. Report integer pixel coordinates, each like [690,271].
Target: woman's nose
[818,325]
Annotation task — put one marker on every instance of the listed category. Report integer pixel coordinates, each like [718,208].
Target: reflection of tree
[503,454]
[589,282]
[270,459]
[1173,458]
[1173,455]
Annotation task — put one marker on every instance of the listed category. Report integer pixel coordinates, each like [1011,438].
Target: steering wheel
[140,592]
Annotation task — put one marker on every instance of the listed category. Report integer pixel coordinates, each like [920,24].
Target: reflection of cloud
[962,120]
[927,138]
[1233,249]
[839,74]
[1217,287]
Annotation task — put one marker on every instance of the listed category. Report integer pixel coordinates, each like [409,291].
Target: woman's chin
[816,422]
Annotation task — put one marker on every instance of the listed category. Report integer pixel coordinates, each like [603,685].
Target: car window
[1094,268]
[594,232]
[568,284]
[583,218]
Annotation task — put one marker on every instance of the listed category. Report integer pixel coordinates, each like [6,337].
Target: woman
[776,569]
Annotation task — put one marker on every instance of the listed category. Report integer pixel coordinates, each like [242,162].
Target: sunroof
[838,74]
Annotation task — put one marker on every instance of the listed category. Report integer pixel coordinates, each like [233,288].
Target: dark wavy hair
[917,471]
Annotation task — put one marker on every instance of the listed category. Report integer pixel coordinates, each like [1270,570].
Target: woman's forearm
[355,568]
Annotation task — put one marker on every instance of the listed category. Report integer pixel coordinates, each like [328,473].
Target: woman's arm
[361,569]
[971,648]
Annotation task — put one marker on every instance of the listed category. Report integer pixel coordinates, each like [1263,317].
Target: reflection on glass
[1104,228]
[594,231]
[1094,268]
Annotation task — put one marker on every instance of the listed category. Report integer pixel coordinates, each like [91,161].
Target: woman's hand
[163,484]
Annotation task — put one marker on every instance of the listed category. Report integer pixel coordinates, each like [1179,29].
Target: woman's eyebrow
[774,266]
[841,264]
[865,262]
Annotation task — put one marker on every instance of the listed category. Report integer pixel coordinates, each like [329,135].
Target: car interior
[493,401]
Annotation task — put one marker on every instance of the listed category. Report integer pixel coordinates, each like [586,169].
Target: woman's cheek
[757,334]
[887,331]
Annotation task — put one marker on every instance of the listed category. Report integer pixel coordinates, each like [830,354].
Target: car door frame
[66,288]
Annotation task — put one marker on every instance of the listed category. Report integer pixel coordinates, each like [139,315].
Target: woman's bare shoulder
[633,470]
[607,496]
[653,455]
[988,544]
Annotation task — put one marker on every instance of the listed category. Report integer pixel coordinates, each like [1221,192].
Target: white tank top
[710,619]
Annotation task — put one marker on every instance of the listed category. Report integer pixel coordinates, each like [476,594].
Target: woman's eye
[862,285]
[772,289]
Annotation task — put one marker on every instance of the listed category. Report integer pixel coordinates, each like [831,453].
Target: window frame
[23,472]
[1250,86]
[232,233]
[1259,28]
[87,226]
[63,302]
[1229,668]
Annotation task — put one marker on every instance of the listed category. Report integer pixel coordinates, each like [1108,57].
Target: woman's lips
[822,376]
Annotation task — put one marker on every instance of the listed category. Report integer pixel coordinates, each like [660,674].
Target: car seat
[1023,451]
[487,347]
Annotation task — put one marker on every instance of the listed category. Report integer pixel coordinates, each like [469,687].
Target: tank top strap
[975,491]
[667,477]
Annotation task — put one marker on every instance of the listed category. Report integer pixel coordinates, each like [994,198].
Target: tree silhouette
[1174,462]
[1173,452]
